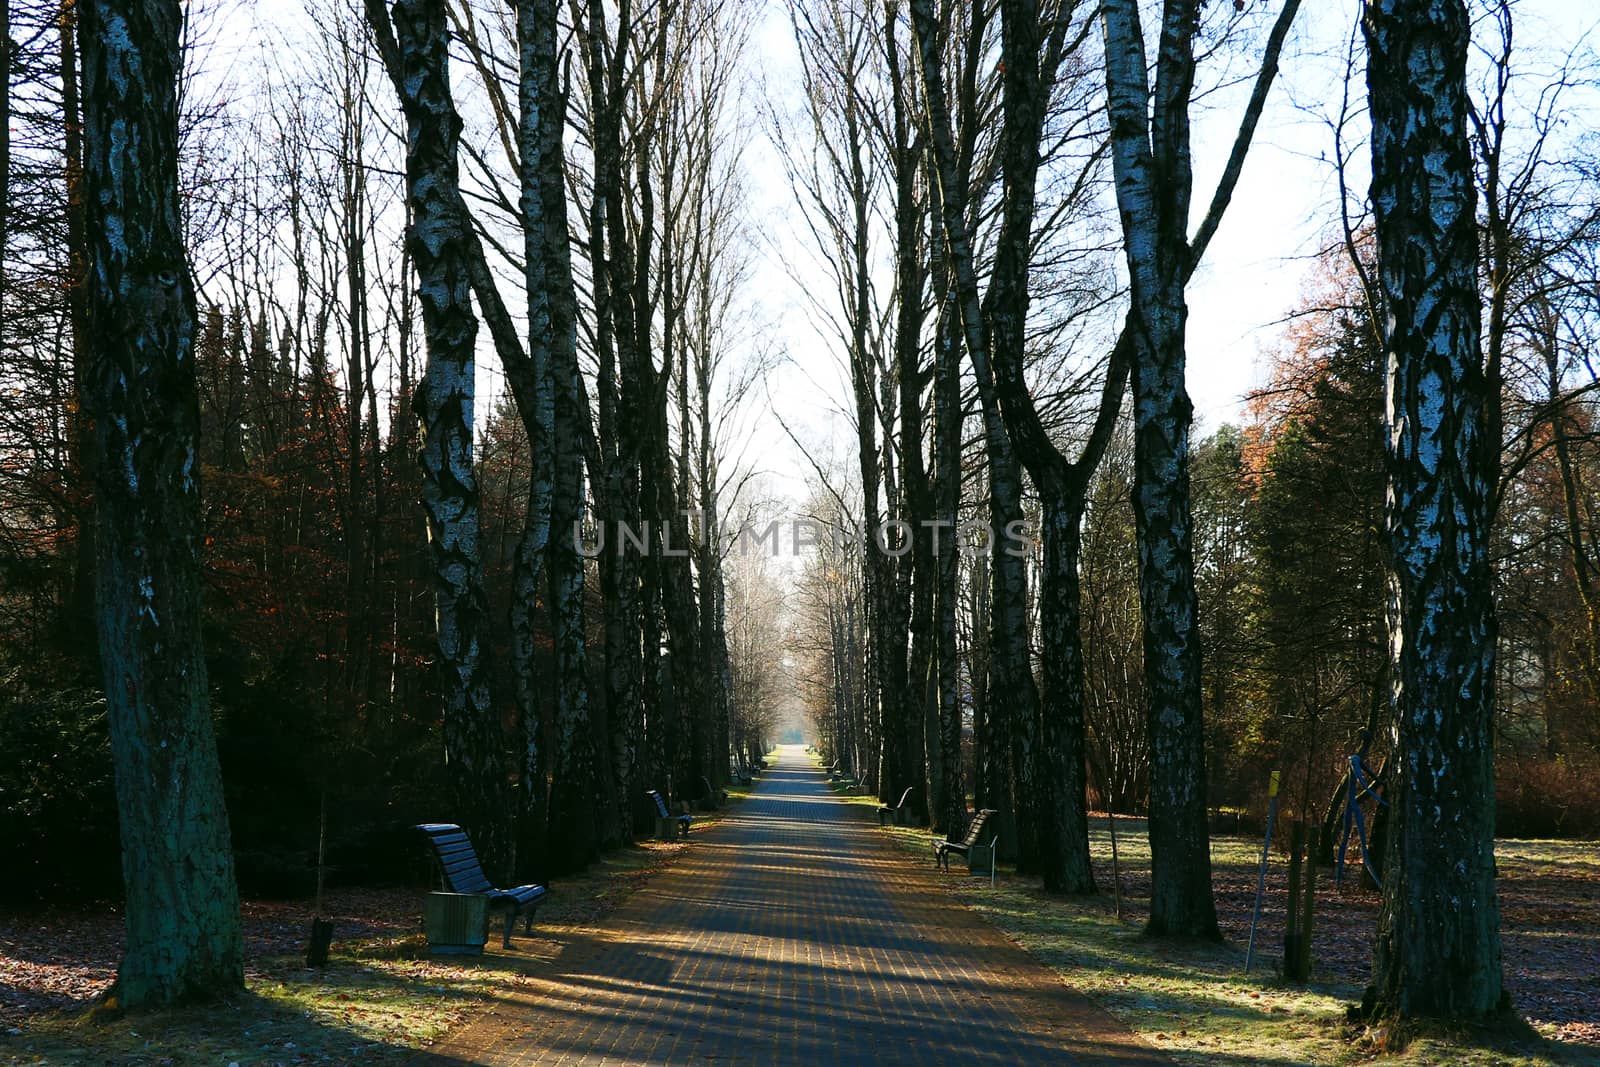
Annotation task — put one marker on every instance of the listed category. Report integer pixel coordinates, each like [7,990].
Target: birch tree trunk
[1152,164]
[950,802]
[182,907]
[560,413]
[1438,946]
[1154,204]
[443,247]
[528,572]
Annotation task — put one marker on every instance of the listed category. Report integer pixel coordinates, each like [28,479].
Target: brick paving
[794,933]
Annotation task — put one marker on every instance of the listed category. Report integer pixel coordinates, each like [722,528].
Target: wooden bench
[460,872]
[714,796]
[737,774]
[886,814]
[679,824]
[943,849]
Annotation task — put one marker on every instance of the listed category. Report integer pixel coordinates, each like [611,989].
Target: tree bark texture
[442,246]
[1438,946]
[182,907]
[1151,161]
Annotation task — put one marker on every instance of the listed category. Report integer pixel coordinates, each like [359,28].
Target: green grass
[1193,1001]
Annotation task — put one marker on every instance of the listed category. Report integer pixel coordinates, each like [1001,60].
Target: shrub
[1549,797]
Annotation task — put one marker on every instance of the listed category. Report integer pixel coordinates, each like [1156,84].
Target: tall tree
[994,327]
[919,721]
[559,406]
[1438,946]
[1150,155]
[415,50]
[182,907]
[1011,726]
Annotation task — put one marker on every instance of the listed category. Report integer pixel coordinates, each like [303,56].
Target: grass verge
[1193,1001]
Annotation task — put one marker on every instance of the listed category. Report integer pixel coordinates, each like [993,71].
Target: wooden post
[1302,963]
[1291,927]
[1116,864]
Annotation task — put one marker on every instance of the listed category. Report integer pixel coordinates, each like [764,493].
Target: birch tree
[1438,945]
[182,907]
[443,247]
[1151,159]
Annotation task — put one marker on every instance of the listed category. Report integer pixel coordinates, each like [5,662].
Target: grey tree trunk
[539,108]
[443,248]
[919,721]
[950,801]
[632,623]
[182,908]
[887,649]
[561,409]
[1438,946]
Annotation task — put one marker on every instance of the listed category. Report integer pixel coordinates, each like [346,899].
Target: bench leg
[511,917]
[527,920]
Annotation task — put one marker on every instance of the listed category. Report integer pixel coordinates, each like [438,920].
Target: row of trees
[226,348]
[1004,197]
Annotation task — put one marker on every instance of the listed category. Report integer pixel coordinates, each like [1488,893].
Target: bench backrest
[458,862]
[904,797]
[661,805]
[975,827]
[710,792]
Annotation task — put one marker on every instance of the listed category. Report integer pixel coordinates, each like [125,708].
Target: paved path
[794,933]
